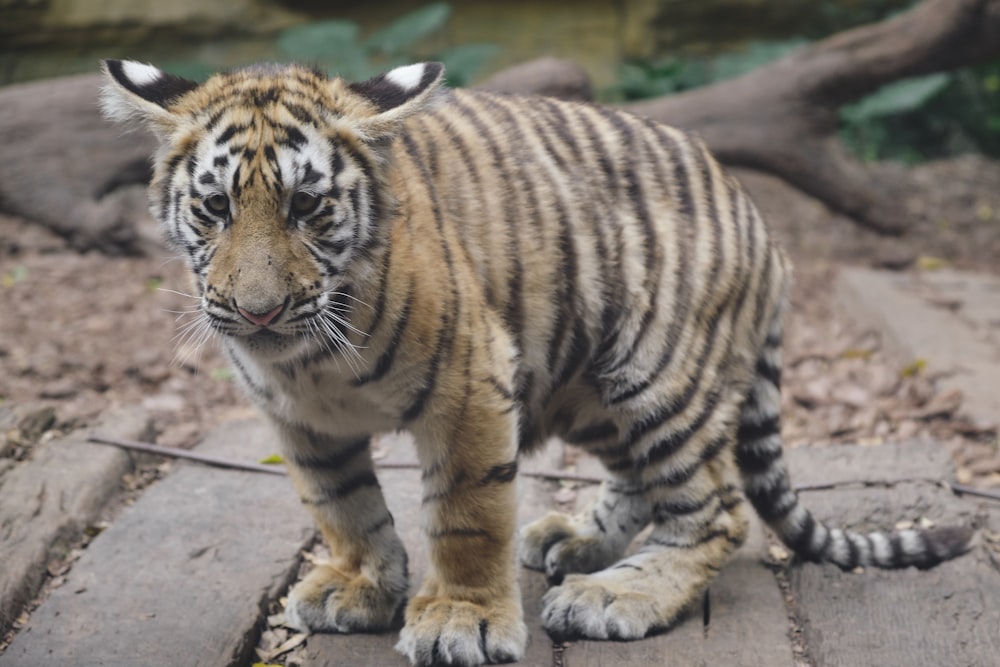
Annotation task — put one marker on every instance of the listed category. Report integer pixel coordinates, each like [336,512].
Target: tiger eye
[304,202]
[217,203]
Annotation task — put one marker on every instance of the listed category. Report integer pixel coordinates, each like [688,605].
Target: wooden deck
[185,575]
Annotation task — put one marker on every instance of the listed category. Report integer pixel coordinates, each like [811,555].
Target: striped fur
[488,271]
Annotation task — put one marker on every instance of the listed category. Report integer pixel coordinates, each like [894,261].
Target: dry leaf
[914,368]
[565,495]
[928,263]
[856,353]
[778,553]
[293,641]
[903,525]
[926,523]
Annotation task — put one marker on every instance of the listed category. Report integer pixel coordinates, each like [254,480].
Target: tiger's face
[270,181]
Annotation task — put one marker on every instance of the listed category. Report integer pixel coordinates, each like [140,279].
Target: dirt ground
[79,333]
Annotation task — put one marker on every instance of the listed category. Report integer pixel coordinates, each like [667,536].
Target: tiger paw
[552,544]
[586,607]
[329,600]
[441,631]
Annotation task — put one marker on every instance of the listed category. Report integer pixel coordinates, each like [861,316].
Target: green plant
[339,47]
[641,80]
[908,121]
[928,117]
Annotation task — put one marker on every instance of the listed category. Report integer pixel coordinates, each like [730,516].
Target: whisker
[173,291]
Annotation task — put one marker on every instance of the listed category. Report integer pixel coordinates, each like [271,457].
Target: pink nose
[262,319]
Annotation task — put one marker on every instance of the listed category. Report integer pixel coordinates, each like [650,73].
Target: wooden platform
[185,575]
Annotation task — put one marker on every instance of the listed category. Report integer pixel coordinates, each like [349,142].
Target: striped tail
[767,485]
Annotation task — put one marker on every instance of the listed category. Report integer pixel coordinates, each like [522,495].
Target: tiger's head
[271,180]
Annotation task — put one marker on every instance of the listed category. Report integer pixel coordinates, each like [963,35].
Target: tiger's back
[613,247]
[487,271]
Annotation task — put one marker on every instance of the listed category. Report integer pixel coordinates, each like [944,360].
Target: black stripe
[593,432]
[669,445]
[801,543]
[769,371]
[327,460]
[775,502]
[751,431]
[229,133]
[379,525]
[385,360]
[460,532]
[501,474]
[446,332]
[682,474]
[513,313]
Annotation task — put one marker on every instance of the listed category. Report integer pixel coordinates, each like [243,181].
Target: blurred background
[632,49]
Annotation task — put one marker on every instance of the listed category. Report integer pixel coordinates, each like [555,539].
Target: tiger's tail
[767,485]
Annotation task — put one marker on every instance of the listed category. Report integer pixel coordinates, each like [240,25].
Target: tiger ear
[398,95]
[134,91]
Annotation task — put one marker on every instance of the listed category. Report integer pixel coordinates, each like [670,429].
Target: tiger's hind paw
[329,600]
[584,607]
[552,545]
[442,631]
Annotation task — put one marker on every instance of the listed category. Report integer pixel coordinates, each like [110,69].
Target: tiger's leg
[363,585]
[468,610]
[595,538]
[699,519]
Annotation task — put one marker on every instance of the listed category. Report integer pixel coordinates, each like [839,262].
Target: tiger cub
[487,271]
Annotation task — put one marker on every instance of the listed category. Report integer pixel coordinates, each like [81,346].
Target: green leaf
[409,29]
[329,41]
[221,374]
[463,61]
[273,459]
[732,65]
[896,98]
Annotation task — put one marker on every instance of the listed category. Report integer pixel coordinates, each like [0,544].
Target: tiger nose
[262,319]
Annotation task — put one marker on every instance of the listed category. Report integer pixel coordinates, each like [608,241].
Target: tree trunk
[782,118]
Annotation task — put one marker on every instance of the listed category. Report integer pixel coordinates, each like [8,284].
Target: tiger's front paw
[329,600]
[441,631]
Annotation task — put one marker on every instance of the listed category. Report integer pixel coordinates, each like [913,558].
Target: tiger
[489,271]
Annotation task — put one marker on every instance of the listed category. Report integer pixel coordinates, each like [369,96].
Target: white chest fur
[322,396]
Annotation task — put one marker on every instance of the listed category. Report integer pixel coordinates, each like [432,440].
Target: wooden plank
[960,344]
[945,616]
[183,577]
[48,501]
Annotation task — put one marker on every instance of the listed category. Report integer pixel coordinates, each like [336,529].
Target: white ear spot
[407,77]
[140,74]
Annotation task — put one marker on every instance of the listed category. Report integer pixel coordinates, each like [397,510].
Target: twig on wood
[176,453]
[826,486]
[554,475]
[962,489]
[220,462]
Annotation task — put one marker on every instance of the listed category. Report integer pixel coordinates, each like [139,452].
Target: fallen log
[783,118]
[66,168]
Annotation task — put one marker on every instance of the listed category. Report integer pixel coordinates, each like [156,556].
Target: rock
[52,132]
